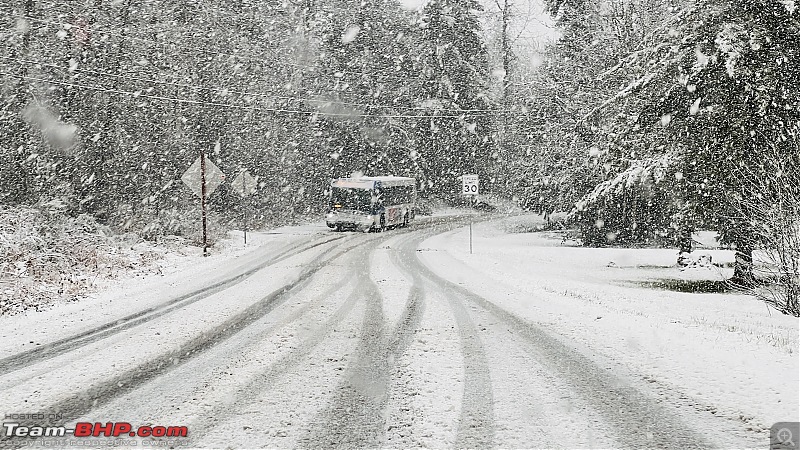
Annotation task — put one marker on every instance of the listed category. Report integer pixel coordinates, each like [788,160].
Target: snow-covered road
[405,339]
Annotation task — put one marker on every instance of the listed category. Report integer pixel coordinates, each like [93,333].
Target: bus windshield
[350,198]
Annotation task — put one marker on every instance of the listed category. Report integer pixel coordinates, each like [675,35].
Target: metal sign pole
[470,236]
[248,186]
[472,201]
[203,200]
[469,186]
[244,210]
[203,177]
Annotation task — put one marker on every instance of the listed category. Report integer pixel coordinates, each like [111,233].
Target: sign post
[244,184]
[203,200]
[469,186]
[203,177]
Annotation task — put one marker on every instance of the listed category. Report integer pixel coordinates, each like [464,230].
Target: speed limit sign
[469,184]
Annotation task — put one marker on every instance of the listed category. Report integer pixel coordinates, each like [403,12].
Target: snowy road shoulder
[121,298]
[723,359]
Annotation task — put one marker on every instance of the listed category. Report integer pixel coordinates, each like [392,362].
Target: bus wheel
[338,227]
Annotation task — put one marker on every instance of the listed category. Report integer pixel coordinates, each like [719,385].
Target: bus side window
[388,195]
[402,195]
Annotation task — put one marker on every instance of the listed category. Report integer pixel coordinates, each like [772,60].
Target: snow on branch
[626,91]
[640,173]
[633,58]
[648,50]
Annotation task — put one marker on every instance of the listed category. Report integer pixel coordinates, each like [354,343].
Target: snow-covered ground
[308,337]
[721,353]
[177,273]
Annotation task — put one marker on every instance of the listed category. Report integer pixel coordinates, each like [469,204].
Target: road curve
[359,344]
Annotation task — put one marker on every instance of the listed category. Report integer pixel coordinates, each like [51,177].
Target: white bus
[371,203]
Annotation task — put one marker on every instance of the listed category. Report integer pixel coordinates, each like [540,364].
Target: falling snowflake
[350,34]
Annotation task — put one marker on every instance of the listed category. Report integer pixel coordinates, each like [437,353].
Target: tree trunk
[685,245]
[743,267]
[792,305]
[503,137]
[506,44]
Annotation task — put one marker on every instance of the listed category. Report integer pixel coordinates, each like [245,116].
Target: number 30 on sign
[469,184]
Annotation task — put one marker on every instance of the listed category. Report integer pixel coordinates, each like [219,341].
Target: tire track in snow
[403,334]
[638,420]
[356,416]
[101,393]
[62,346]
[402,416]
[267,379]
[405,259]
[476,424]
[397,343]
[476,428]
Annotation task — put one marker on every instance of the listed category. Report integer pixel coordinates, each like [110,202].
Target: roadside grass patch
[691,286]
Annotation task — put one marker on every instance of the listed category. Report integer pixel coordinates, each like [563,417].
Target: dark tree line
[105,104]
[647,120]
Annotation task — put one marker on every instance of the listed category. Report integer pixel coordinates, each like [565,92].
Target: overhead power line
[287,111]
[128,76]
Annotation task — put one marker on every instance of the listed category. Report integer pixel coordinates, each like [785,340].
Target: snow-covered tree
[710,95]
[364,90]
[570,147]
[109,103]
[732,108]
[456,135]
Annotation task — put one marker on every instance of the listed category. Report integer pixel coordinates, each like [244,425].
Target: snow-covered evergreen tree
[732,108]
[364,92]
[456,137]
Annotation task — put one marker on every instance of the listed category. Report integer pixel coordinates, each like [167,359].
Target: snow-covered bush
[779,236]
[47,256]
[151,222]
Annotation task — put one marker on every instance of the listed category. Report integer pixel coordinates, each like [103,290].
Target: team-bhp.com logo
[97,429]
